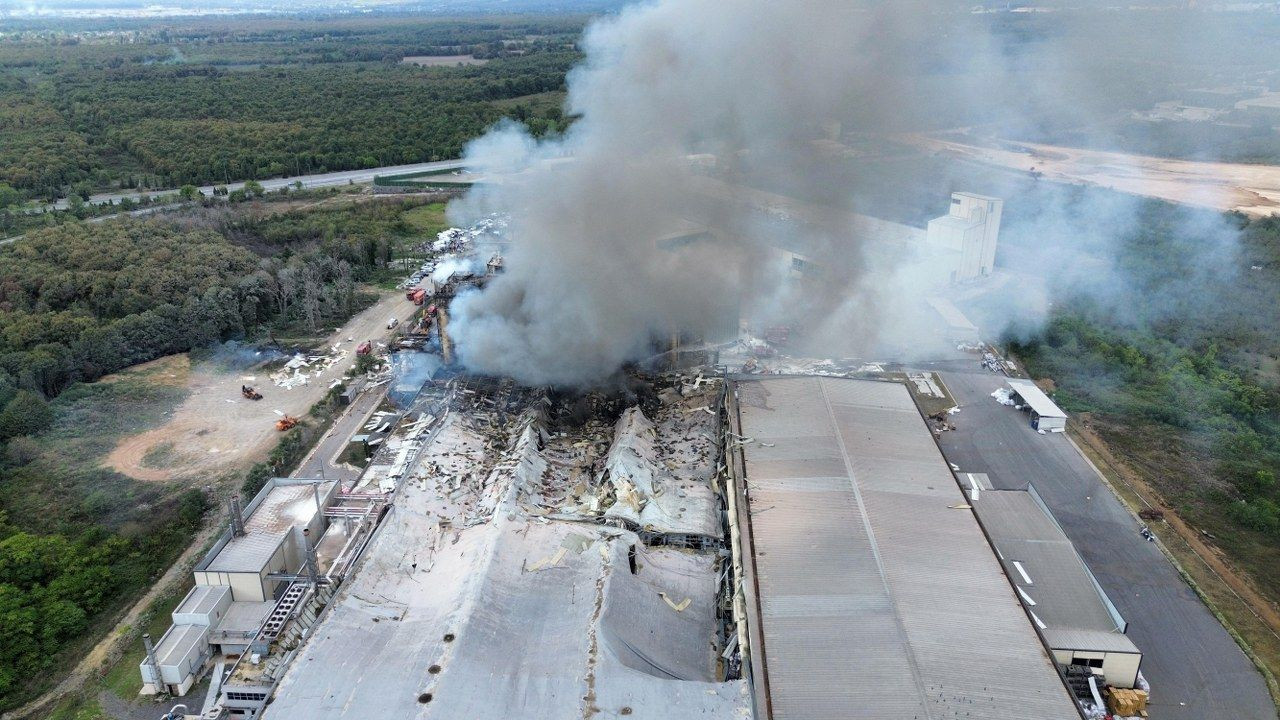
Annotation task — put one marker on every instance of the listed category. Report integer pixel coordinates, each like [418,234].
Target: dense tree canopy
[229,102]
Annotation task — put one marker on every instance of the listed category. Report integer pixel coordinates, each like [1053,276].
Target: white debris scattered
[295,372]
[925,385]
[1004,396]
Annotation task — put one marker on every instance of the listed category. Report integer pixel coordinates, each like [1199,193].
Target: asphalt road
[369,325]
[308,181]
[1195,669]
[322,460]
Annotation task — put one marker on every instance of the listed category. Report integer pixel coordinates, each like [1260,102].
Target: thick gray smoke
[714,144]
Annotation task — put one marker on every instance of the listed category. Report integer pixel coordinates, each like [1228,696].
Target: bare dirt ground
[1250,189]
[442,60]
[215,429]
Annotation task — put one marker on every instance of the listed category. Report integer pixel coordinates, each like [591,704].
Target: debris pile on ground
[992,361]
[1004,396]
[302,369]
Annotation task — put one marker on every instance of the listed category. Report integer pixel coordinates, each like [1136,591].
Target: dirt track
[241,431]
[1250,189]
[215,429]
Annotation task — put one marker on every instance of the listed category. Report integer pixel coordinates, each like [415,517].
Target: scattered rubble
[583,528]
[302,369]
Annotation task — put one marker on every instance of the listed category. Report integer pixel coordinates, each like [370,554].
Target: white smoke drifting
[683,106]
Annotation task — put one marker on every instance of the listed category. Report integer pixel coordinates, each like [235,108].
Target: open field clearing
[215,429]
[442,60]
[1250,189]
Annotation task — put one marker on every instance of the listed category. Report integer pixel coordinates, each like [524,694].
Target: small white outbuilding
[1045,413]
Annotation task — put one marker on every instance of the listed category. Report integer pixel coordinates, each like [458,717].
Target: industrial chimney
[310,565]
[151,660]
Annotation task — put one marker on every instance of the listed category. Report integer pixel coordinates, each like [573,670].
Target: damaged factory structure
[692,544]
[544,556]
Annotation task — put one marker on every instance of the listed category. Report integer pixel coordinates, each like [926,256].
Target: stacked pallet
[1124,702]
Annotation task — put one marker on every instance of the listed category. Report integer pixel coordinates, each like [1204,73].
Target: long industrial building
[769,547]
[876,591]
[1078,621]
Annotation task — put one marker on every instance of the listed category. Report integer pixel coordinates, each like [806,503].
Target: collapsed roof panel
[481,597]
[647,494]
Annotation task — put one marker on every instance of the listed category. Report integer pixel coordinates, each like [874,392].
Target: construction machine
[287,422]
[249,393]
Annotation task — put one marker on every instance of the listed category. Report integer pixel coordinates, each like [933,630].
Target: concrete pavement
[1195,668]
[323,457]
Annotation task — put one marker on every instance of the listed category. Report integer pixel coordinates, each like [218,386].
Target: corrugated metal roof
[285,506]
[244,617]
[247,554]
[1035,397]
[1089,640]
[878,599]
[1050,573]
[202,599]
[178,643]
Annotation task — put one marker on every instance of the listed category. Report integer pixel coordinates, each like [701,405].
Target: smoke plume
[713,146]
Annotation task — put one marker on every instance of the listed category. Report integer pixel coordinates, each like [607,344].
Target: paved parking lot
[1195,669]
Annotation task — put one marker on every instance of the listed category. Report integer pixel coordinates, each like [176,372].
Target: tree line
[158,119]
[81,300]
[1192,366]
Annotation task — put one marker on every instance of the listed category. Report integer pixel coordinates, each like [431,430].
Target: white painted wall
[1119,669]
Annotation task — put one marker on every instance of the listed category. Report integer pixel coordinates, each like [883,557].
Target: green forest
[1184,382]
[82,300]
[228,101]
[95,106]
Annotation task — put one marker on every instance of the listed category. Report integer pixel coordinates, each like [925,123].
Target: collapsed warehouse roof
[504,583]
[649,495]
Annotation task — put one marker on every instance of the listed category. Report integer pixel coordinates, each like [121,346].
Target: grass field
[78,708]
[427,220]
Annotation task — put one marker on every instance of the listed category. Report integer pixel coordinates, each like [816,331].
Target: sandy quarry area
[1250,189]
[215,430]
